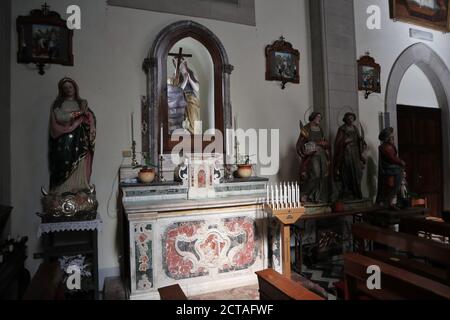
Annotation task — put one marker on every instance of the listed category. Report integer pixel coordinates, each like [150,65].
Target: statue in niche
[390,170]
[71,152]
[349,161]
[313,150]
[183,97]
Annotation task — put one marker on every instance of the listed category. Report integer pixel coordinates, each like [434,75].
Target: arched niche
[437,72]
[155,66]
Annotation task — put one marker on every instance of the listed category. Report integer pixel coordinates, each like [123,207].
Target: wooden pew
[274,286]
[416,225]
[396,283]
[46,283]
[436,253]
[172,293]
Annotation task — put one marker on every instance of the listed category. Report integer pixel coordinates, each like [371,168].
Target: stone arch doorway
[432,65]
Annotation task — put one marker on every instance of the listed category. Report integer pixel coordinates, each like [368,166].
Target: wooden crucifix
[179,56]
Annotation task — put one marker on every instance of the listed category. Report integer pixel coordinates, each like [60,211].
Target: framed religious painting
[369,75]
[282,63]
[433,14]
[44,38]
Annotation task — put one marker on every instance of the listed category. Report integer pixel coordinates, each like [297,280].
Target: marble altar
[204,245]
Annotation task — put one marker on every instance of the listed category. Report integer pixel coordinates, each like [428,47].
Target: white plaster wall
[385,46]
[5,105]
[109,50]
[416,90]
[5,110]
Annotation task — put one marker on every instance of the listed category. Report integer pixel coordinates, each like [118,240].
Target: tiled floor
[114,290]
[244,293]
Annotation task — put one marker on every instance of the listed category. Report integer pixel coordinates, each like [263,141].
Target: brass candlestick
[160,169]
[134,161]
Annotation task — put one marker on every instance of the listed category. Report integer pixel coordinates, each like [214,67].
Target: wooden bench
[46,283]
[172,293]
[437,254]
[274,286]
[417,225]
[396,283]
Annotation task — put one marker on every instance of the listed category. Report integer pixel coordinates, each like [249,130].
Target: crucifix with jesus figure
[179,57]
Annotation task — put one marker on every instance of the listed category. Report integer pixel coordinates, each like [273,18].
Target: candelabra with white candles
[284,195]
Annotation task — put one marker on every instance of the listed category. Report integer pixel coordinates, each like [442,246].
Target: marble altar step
[114,290]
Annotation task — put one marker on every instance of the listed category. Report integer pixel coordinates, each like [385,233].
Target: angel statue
[313,150]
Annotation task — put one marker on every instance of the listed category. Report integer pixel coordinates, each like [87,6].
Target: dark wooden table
[14,277]
[73,243]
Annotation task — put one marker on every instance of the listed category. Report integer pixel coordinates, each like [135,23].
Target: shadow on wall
[120,235]
[289,166]
[372,177]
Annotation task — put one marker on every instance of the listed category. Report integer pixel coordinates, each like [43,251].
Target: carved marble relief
[143,253]
[201,248]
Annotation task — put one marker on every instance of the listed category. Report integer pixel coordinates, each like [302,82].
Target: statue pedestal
[79,206]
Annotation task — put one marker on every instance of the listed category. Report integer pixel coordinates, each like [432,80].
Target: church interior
[225,150]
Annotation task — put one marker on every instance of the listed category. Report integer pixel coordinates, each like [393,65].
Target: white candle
[273,202]
[276,195]
[289,194]
[132,127]
[292,194]
[296,194]
[286,195]
[162,140]
[227,149]
[280,199]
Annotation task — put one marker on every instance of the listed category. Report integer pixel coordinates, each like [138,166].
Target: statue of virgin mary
[71,141]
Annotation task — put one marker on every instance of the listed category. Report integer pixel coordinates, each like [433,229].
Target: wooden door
[420,146]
